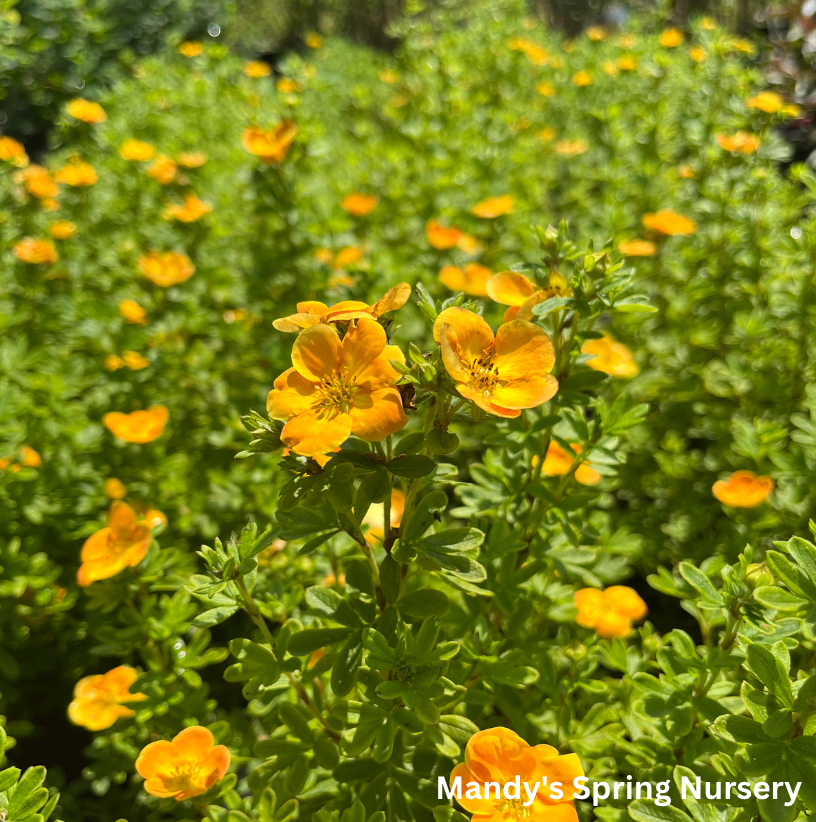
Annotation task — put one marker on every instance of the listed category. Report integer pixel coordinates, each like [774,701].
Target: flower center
[515,809]
[184,772]
[337,391]
[483,374]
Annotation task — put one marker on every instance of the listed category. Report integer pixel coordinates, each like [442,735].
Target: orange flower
[76,173]
[135,361]
[270,146]
[500,755]
[596,33]
[313,40]
[671,38]
[375,516]
[743,489]
[768,101]
[741,142]
[312,312]
[97,702]
[687,172]
[347,256]
[521,294]
[166,268]
[698,54]
[611,357]
[558,462]
[610,612]
[34,251]
[441,237]
[535,54]
[668,222]
[114,488]
[582,78]
[186,767]
[38,182]
[192,159]
[571,148]
[257,69]
[494,207]
[192,210]
[472,280]
[13,152]
[86,110]
[502,374]
[114,362]
[545,88]
[610,68]
[152,516]
[359,205]
[138,426]
[389,76]
[136,151]
[123,543]
[163,170]
[62,229]
[191,48]
[286,85]
[27,457]
[627,63]
[638,248]
[337,389]
[133,312]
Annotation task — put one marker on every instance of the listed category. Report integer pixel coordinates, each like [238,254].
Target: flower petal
[522,349]
[316,431]
[193,743]
[379,373]
[347,310]
[378,414]
[563,769]
[484,402]
[316,352]
[509,288]
[156,759]
[393,299]
[363,343]
[471,329]
[293,394]
[295,322]
[526,393]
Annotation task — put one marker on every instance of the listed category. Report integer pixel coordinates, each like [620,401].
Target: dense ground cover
[613,207]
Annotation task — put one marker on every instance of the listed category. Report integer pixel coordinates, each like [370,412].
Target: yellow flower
[698,54]
[113,362]
[611,357]
[596,33]
[534,53]
[123,543]
[37,182]
[545,88]
[166,268]
[312,312]
[359,205]
[133,312]
[191,159]
[389,76]
[611,68]
[347,256]
[741,142]
[192,210]
[26,457]
[471,280]
[29,250]
[442,237]
[313,40]
[627,63]
[336,389]
[270,146]
[494,207]
[671,38]
[558,462]
[375,517]
[744,46]
[687,172]
[162,169]
[668,222]
[76,173]
[257,69]
[571,148]
[86,110]
[791,110]
[138,426]
[191,48]
[286,85]
[62,229]
[498,755]
[521,294]
[708,23]
[743,489]
[135,361]
[114,488]
[638,248]
[502,374]
[13,152]
[188,766]
[97,702]
[547,133]
[610,612]
[768,101]
[136,151]
[582,78]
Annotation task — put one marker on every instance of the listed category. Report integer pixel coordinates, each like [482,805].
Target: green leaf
[552,304]
[779,599]
[804,553]
[307,642]
[740,729]
[344,670]
[411,466]
[770,672]
[424,514]
[642,810]
[701,583]
[794,579]
[425,602]
[215,616]
[390,578]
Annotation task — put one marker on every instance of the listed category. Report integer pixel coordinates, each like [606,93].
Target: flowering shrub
[513,501]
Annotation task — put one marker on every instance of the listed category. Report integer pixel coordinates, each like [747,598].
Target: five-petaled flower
[502,374]
[166,268]
[76,173]
[122,543]
[522,294]
[137,426]
[38,182]
[188,766]
[257,69]
[86,110]
[12,151]
[192,210]
[337,388]
[442,237]
[272,145]
[768,101]
[666,221]
[610,356]
[133,312]
[472,279]
[62,229]
[136,151]
[500,755]
[743,489]
[31,250]
[191,48]
[740,142]
[163,169]
[192,159]
[98,700]
[494,207]
[27,457]
[610,612]
[638,248]
[671,38]
[582,78]
[359,205]
[558,462]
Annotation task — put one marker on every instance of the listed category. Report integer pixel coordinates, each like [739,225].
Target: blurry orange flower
[471,280]
[610,612]
[336,389]
[442,237]
[76,173]
[97,702]
[545,88]
[270,146]
[610,68]
[113,362]
[188,766]
[166,268]
[13,152]
[133,312]
[136,151]
[114,488]
[668,222]
[375,517]
[499,755]
[86,110]
[638,248]
[190,48]
[152,516]
[191,159]
[741,142]
[558,462]
[162,169]
[743,489]
[522,294]
[687,172]
[611,357]
[192,210]
[346,256]
[62,229]
[571,148]
[671,38]
[582,78]
[494,207]
[123,543]
[135,361]
[26,457]
[29,250]
[38,182]
[768,101]
[138,426]
[359,204]
[534,53]
[502,374]
[698,54]
[627,63]
[547,133]
[313,40]
[286,85]
[257,69]
[389,76]
[596,33]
